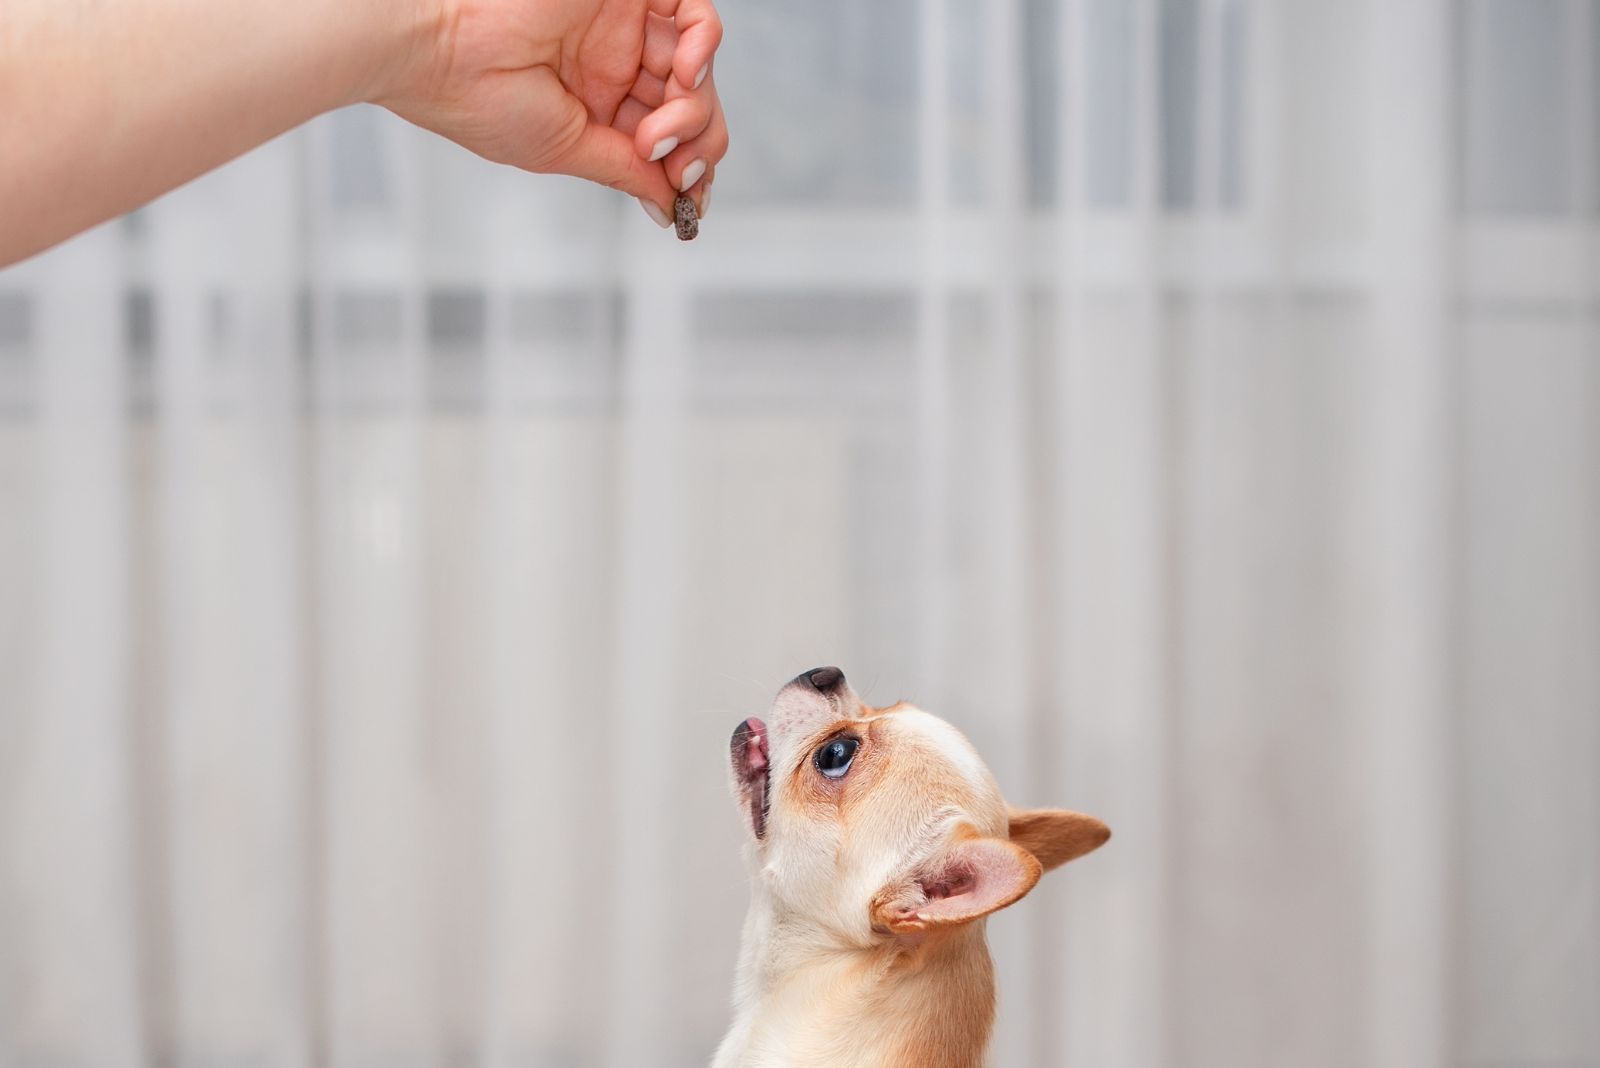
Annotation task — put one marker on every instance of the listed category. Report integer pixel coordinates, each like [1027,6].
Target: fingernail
[705,201]
[691,174]
[657,216]
[663,146]
[698,78]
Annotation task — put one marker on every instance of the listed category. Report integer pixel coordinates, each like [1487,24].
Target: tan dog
[880,843]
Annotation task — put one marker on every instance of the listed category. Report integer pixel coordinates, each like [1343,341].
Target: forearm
[105,104]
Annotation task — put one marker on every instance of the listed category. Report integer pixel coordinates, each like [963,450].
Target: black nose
[822,679]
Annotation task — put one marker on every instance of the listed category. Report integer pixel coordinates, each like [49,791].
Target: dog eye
[834,758]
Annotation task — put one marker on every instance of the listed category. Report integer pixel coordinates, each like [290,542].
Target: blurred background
[1196,401]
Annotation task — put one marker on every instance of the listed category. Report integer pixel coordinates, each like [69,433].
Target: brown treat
[688,218]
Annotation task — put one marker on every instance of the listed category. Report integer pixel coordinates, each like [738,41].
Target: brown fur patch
[952,1029]
[1055,835]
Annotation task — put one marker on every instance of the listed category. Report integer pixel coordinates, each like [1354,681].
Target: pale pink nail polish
[692,174]
[657,216]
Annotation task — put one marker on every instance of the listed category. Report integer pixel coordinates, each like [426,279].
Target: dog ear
[969,879]
[1055,835]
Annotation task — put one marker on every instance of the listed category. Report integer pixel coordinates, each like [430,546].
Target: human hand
[620,92]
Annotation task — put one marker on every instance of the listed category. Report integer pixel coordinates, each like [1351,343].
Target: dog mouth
[752,770]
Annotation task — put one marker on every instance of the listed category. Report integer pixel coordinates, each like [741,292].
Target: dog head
[871,823]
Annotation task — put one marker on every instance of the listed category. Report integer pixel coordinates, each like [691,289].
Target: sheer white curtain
[1198,401]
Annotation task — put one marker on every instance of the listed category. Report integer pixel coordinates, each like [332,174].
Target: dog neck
[801,1001]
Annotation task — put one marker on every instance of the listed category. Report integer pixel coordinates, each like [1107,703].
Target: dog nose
[822,679]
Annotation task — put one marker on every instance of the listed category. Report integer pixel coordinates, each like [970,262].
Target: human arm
[106,105]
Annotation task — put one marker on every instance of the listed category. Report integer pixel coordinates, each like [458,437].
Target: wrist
[412,39]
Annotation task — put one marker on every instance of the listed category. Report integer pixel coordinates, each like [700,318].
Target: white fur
[953,746]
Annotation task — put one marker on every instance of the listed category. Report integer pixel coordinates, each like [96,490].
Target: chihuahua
[879,842]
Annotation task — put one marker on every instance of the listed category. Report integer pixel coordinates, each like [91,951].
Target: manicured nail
[691,174]
[663,146]
[698,78]
[657,216]
[705,200]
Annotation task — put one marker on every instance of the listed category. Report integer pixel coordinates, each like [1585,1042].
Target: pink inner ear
[975,878]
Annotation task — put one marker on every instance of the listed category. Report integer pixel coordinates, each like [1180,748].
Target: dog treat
[688,218]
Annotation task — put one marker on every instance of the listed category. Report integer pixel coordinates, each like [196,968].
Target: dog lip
[752,769]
